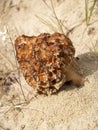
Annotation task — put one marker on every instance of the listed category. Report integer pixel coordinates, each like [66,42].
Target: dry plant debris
[7,79]
[47,61]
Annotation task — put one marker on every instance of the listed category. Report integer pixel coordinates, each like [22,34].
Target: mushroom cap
[43,59]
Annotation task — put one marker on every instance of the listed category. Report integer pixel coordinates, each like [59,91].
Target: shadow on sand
[88,63]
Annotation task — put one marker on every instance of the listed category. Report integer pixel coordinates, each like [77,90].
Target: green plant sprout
[95,50]
[88,14]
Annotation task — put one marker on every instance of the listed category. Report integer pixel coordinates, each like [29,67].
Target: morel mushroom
[47,61]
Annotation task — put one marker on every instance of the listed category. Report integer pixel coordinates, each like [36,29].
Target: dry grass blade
[58,23]
[55,15]
[46,4]
[47,23]
[16,64]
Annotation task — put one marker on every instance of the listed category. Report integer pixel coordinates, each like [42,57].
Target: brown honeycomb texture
[43,60]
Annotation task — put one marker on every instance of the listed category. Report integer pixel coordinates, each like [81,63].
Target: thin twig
[59,23]
[16,63]
[4,57]
[48,23]
[72,29]
[59,26]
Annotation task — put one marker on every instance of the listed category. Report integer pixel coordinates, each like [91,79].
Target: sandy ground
[71,108]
